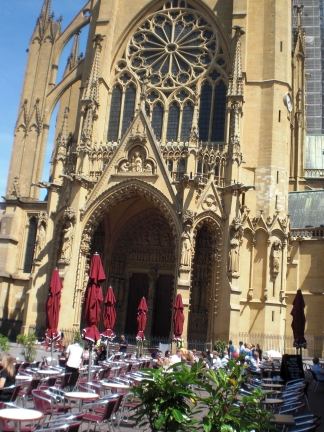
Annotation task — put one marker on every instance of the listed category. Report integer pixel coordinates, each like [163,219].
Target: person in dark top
[123,344]
[7,377]
[102,353]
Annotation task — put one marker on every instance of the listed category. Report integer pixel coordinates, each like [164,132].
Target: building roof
[306,208]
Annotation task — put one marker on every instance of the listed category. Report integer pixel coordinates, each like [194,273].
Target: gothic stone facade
[178,137]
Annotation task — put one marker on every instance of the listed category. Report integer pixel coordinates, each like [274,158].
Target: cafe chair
[315,382]
[47,382]
[48,404]
[15,392]
[29,387]
[102,418]
[64,381]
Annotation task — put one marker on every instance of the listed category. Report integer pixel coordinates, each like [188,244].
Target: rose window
[173,47]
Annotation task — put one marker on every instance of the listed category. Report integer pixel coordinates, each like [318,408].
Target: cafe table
[283,420]
[111,386]
[48,372]
[81,397]
[24,377]
[18,415]
[271,403]
[274,380]
[272,386]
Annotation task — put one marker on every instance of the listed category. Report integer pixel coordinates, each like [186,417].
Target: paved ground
[316,401]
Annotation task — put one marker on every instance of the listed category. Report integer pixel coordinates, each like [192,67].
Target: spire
[74,57]
[235,85]
[44,16]
[90,97]
[299,32]
[62,137]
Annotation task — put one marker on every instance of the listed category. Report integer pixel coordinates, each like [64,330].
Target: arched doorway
[201,283]
[137,249]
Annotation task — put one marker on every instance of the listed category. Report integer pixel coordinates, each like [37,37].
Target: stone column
[150,299]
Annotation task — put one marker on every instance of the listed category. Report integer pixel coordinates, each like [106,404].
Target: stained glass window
[30,245]
[173,122]
[157,119]
[114,117]
[186,121]
[219,113]
[129,104]
[204,112]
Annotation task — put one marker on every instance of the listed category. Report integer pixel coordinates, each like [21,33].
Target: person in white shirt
[74,355]
[224,361]
[217,363]
[176,358]
[254,363]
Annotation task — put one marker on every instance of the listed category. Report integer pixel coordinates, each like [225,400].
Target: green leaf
[177,415]
[159,422]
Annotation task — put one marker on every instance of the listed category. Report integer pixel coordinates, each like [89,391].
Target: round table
[272,386]
[19,415]
[81,397]
[23,378]
[274,380]
[272,402]
[115,386]
[48,372]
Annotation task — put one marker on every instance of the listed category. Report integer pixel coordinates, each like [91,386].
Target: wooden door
[163,306]
[138,288]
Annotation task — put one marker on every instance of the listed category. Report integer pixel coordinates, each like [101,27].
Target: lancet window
[179,50]
[30,244]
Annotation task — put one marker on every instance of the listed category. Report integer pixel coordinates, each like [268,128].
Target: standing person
[74,356]
[7,377]
[123,344]
[231,349]
[241,349]
[259,351]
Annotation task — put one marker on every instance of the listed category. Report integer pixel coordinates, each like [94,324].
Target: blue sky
[17,25]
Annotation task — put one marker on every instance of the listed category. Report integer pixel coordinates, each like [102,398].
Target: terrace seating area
[46,398]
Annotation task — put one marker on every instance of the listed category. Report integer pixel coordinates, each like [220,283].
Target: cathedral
[179,136]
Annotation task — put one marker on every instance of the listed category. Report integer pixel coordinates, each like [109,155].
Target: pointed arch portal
[137,247]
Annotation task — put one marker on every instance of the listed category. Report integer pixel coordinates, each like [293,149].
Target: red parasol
[109,315]
[299,321]
[141,319]
[93,299]
[178,318]
[53,306]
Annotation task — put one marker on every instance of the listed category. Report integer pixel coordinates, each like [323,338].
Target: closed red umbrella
[109,315]
[178,318]
[53,306]
[299,321]
[141,319]
[93,299]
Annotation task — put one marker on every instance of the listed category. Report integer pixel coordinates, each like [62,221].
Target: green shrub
[4,344]
[29,346]
[219,346]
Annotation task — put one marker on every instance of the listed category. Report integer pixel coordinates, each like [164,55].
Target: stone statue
[275,255]
[40,240]
[186,247]
[138,163]
[66,251]
[233,261]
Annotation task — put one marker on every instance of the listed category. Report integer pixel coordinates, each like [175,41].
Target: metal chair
[32,385]
[98,419]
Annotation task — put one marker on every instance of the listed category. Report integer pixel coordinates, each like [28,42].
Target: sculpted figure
[233,261]
[186,247]
[138,162]
[40,240]
[67,242]
[276,250]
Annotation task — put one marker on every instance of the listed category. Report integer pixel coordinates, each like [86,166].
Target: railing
[284,344]
[308,232]
[313,173]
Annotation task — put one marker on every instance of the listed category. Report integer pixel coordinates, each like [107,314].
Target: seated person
[7,377]
[176,358]
[317,368]
[190,360]
[156,361]
[225,358]
[205,360]
[217,363]
[255,363]
[102,353]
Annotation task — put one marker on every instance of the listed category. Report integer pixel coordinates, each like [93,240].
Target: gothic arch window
[30,244]
[173,122]
[179,49]
[115,104]
[187,115]
[157,119]
[129,105]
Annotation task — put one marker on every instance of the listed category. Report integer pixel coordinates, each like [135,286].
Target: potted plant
[226,410]
[4,344]
[168,401]
[29,346]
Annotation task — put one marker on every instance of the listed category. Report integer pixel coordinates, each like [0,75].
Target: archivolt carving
[123,191]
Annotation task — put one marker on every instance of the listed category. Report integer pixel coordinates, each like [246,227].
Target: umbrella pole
[107,350]
[52,352]
[90,362]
